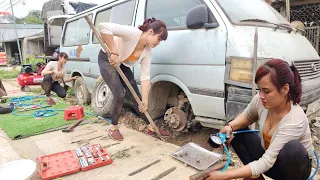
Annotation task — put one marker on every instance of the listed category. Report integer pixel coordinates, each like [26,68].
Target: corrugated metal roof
[7,32]
[21,26]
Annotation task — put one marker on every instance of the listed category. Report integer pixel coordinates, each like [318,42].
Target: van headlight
[241,69]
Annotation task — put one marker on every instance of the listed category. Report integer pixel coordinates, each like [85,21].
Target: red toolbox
[72,161]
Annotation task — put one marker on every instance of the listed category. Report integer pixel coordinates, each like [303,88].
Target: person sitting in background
[54,78]
[284,148]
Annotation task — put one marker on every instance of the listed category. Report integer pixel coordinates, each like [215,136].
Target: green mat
[17,126]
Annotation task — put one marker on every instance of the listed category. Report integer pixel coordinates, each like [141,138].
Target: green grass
[24,126]
[4,74]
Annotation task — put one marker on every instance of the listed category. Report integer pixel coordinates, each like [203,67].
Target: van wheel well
[168,100]
[75,74]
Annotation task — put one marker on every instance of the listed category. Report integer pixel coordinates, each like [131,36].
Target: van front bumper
[238,99]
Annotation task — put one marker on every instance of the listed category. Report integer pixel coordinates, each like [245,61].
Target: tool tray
[196,156]
[68,162]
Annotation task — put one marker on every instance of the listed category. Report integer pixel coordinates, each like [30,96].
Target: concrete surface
[143,150]
[13,91]
[7,153]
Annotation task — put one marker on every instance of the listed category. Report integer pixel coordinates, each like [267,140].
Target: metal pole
[254,67]
[15,28]
[288,10]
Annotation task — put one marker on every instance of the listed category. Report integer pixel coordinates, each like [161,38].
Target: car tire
[101,98]
[81,92]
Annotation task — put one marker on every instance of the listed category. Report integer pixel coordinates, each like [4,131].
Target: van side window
[120,14]
[77,32]
[171,12]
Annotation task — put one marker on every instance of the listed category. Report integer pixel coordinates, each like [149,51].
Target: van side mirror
[198,17]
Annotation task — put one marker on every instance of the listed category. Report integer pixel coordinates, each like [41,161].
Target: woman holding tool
[53,77]
[129,46]
[284,149]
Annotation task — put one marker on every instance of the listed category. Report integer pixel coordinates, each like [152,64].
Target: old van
[203,72]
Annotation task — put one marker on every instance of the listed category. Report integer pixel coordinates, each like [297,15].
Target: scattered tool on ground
[205,173]
[85,141]
[70,129]
[160,176]
[144,167]
[124,78]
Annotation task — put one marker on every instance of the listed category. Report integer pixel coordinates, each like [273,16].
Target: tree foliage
[33,17]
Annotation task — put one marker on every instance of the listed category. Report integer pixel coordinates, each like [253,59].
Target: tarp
[79,7]
[63,7]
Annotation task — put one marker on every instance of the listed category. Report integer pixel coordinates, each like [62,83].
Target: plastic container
[67,162]
[18,169]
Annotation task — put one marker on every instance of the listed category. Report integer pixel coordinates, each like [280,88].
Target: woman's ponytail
[296,88]
[144,26]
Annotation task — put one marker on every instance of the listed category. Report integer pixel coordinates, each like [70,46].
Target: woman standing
[284,149]
[129,46]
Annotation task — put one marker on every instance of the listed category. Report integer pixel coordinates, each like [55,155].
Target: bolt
[198,162]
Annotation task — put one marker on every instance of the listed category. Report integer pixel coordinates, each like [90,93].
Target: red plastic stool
[73,112]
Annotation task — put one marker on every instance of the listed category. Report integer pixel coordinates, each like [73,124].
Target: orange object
[3,58]
[73,112]
[67,162]
[267,140]
[131,58]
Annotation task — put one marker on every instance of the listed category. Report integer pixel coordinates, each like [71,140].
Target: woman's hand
[114,60]
[228,130]
[216,175]
[143,107]
[74,77]
[58,74]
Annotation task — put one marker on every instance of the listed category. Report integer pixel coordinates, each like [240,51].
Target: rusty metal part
[144,167]
[160,176]
[176,119]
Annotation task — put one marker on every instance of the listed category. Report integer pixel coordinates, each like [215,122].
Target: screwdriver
[95,155]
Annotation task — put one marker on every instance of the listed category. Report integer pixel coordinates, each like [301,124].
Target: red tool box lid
[58,165]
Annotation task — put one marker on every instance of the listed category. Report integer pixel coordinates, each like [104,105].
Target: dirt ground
[131,120]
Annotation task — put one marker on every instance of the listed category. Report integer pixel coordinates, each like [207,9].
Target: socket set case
[72,161]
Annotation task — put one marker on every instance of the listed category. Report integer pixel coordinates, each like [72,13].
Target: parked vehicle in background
[203,72]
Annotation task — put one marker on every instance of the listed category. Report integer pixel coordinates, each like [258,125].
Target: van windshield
[241,11]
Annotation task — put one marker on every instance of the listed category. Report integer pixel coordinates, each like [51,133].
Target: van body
[203,71]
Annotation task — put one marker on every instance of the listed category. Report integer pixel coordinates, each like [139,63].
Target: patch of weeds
[70,91]
[122,153]
[37,90]
[4,74]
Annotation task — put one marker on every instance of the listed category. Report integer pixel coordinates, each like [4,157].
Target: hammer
[70,129]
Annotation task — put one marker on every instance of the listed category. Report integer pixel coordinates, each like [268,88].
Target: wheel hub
[80,93]
[175,118]
[102,96]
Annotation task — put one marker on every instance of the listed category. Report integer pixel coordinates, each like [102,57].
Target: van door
[75,41]
[117,12]
[192,59]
